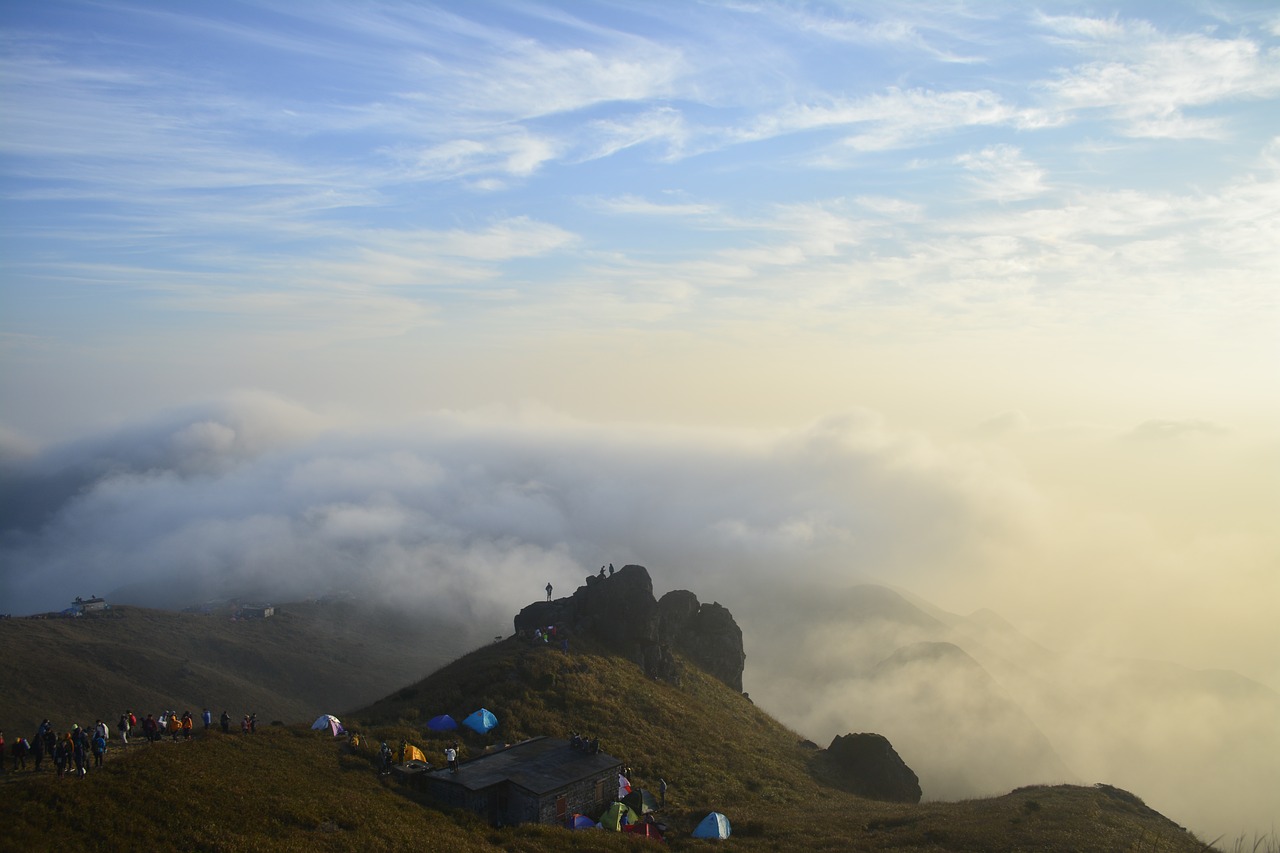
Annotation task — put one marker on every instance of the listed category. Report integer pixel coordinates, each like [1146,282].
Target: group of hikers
[71,751]
[387,757]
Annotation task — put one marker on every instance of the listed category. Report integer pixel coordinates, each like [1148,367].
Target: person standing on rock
[548,590]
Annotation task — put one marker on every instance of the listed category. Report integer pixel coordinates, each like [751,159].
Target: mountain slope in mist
[975,707]
[870,660]
[307,659]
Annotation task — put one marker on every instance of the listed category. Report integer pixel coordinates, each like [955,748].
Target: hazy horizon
[444,301]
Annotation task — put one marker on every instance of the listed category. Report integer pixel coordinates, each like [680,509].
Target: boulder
[867,765]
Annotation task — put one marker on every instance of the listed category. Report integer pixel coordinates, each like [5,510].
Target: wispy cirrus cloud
[1001,172]
[1144,80]
[895,118]
[637,205]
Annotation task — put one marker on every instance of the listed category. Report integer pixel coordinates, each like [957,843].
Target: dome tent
[442,723]
[330,722]
[714,825]
[481,721]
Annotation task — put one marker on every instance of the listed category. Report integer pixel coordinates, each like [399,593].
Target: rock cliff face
[868,765]
[705,633]
[620,611]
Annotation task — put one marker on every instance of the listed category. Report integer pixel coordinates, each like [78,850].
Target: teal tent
[714,825]
[480,722]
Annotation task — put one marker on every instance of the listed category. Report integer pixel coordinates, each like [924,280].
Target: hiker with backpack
[123,728]
[187,724]
[99,749]
[207,718]
[225,719]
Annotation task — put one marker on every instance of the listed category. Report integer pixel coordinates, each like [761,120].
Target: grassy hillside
[288,788]
[309,659]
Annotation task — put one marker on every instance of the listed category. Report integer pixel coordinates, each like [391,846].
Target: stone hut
[540,780]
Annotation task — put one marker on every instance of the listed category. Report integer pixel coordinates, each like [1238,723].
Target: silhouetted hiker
[602,571]
[150,729]
[38,749]
[225,719]
[384,759]
[548,590]
[611,570]
[62,754]
[253,724]
[207,717]
[80,750]
[19,752]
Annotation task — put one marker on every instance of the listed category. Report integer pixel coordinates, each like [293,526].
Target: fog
[1126,564]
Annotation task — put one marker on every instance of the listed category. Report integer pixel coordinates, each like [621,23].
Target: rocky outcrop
[620,611]
[705,633]
[867,765]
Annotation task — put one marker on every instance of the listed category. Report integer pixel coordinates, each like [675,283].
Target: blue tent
[714,825]
[581,821]
[480,722]
[442,723]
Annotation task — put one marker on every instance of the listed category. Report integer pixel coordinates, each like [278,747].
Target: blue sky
[518,188]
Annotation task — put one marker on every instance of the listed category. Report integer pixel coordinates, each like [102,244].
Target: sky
[440,301]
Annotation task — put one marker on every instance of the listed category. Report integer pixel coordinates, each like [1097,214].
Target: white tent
[330,722]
